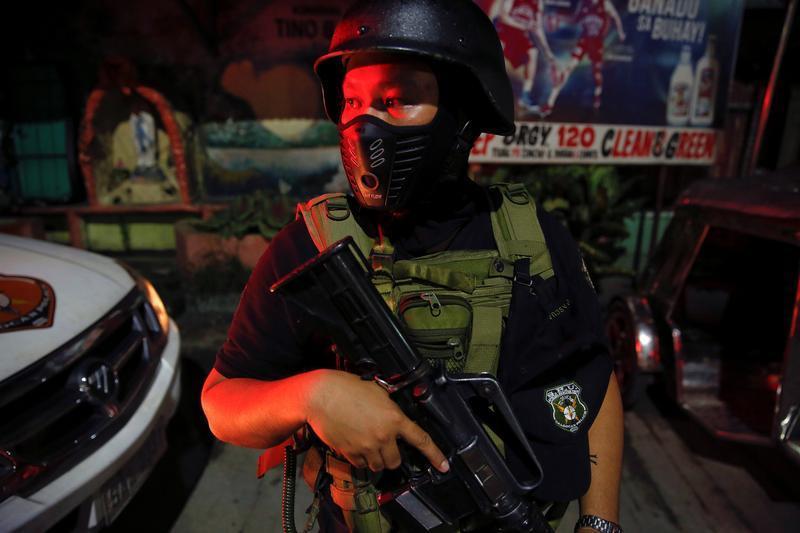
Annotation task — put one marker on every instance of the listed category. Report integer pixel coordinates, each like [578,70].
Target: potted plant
[241,232]
[591,200]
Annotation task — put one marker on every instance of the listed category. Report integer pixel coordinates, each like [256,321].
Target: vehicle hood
[85,287]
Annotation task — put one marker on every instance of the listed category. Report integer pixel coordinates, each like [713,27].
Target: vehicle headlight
[150,293]
[155,302]
[7,468]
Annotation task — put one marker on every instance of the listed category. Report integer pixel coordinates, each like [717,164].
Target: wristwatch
[598,524]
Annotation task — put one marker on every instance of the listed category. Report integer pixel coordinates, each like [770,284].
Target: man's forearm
[605,447]
[255,413]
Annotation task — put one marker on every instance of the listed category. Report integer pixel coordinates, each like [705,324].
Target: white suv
[89,378]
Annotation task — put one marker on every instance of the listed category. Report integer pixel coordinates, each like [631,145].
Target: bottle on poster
[705,86]
[680,90]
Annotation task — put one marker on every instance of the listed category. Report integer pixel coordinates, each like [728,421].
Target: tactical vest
[453,305]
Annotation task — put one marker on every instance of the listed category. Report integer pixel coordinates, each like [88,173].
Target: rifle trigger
[388,387]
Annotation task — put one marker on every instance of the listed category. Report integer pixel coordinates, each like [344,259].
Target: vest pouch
[439,327]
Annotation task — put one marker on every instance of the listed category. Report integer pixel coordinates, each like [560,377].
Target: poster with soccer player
[623,81]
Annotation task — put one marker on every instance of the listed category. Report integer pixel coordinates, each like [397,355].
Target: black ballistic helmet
[456,33]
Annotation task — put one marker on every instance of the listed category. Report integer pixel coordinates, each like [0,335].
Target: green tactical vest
[452,303]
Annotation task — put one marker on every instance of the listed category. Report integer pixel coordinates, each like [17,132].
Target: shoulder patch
[568,407]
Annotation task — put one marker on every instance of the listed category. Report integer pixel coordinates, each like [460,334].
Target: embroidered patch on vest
[568,408]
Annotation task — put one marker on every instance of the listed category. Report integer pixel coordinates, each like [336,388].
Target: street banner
[597,143]
[614,81]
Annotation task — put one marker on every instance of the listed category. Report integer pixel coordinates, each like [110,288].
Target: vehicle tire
[621,332]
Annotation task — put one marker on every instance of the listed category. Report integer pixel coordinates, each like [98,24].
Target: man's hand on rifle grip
[359,420]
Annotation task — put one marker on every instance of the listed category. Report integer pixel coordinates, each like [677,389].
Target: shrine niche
[132,144]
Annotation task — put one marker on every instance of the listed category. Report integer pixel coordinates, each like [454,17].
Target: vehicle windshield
[666,268]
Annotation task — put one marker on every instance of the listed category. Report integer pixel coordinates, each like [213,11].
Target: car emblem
[97,380]
[25,303]
[568,408]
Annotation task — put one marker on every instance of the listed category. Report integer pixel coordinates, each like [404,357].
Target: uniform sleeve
[584,309]
[266,339]
[555,322]
[555,366]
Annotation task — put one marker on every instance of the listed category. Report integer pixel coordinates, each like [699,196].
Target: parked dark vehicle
[716,310]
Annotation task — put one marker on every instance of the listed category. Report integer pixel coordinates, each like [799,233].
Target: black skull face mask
[389,166]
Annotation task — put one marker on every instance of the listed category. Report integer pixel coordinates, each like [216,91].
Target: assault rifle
[335,289]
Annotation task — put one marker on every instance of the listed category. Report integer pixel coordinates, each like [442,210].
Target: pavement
[221,493]
[675,478]
[229,498]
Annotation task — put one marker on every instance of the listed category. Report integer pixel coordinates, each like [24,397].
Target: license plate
[120,489]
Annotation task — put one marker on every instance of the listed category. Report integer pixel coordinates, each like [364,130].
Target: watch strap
[598,524]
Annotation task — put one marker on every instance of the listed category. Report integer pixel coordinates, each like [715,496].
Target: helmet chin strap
[465,138]
[454,166]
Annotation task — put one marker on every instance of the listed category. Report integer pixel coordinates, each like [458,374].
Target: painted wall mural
[240,81]
[289,147]
[294,157]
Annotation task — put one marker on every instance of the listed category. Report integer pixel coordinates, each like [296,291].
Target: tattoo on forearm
[593,458]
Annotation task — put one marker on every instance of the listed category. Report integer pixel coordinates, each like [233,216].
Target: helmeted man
[479,278]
